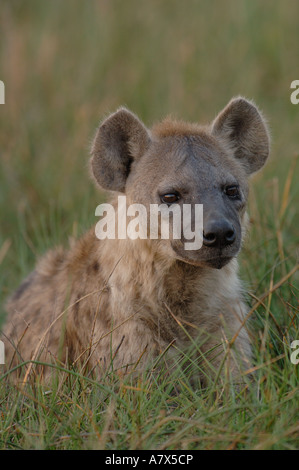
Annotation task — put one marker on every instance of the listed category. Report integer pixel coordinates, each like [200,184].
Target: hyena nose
[218,233]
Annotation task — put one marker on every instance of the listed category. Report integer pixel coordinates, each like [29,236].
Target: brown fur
[126,301]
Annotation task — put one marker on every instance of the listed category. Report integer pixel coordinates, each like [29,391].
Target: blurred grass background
[66,65]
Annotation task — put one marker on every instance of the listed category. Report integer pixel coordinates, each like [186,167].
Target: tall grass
[65,65]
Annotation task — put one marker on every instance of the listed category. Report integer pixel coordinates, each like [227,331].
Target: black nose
[218,233]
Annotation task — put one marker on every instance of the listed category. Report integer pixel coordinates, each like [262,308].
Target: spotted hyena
[124,301]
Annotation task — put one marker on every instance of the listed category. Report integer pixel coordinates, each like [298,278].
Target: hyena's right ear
[119,140]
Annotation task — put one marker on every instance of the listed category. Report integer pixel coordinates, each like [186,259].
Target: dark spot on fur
[95,266]
[24,286]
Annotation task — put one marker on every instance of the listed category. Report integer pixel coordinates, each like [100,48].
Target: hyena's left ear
[120,139]
[242,126]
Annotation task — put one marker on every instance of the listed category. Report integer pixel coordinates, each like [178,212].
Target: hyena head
[187,164]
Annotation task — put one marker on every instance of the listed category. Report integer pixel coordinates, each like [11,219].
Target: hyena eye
[232,191]
[170,198]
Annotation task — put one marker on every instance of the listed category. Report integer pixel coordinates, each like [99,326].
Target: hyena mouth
[218,263]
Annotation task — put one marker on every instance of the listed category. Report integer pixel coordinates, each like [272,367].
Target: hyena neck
[154,274]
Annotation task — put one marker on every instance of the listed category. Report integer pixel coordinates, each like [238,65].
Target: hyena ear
[119,140]
[243,127]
